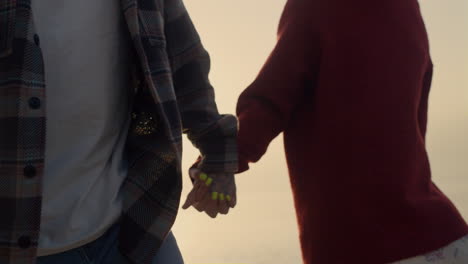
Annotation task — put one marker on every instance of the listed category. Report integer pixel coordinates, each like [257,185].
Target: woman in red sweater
[348,85]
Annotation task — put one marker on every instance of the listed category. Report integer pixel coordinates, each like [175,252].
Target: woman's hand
[211,193]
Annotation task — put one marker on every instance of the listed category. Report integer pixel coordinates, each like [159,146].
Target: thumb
[190,200]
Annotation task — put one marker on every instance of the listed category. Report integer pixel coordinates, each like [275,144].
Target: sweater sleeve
[266,106]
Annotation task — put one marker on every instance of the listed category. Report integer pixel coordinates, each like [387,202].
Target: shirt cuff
[218,147]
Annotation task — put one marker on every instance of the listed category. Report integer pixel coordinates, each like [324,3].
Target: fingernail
[203,176]
[228,197]
[214,195]
[221,196]
[209,181]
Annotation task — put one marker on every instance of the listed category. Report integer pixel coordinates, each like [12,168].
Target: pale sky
[262,230]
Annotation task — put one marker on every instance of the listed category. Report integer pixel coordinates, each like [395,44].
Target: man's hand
[214,193]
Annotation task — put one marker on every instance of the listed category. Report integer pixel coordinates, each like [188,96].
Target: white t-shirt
[86,56]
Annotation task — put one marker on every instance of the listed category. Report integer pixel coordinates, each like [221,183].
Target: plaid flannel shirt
[172,95]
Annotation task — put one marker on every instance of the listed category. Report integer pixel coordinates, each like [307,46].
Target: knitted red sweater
[348,84]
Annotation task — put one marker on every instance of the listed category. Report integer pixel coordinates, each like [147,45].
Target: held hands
[214,193]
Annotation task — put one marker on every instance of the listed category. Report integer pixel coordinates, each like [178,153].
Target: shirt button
[29,171]
[24,242]
[34,103]
[36,39]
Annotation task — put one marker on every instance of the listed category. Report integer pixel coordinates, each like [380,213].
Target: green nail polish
[209,181]
[214,195]
[203,176]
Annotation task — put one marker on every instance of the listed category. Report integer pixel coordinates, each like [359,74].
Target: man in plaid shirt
[94,98]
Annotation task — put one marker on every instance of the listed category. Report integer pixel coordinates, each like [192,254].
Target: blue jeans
[104,251]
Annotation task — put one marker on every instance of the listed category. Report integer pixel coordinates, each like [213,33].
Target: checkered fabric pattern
[172,95]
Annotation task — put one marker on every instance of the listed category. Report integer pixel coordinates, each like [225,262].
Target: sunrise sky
[262,230]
